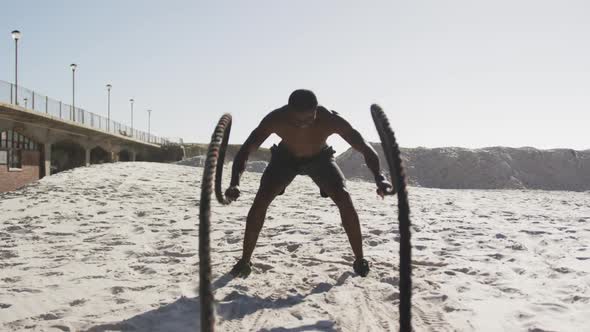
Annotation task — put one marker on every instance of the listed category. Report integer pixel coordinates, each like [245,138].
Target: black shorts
[322,169]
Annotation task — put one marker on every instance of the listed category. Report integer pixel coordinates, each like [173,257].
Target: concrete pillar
[133,155]
[88,156]
[47,154]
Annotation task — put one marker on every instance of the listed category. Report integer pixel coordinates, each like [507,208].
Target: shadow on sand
[183,314]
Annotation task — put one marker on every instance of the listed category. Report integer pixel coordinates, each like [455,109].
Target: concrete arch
[98,155]
[141,156]
[67,154]
[124,155]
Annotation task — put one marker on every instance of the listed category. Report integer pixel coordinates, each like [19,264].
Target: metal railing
[37,102]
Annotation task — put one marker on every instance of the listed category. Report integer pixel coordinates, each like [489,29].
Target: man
[303,127]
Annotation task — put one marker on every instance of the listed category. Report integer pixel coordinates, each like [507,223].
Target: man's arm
[356,140]
[256,138]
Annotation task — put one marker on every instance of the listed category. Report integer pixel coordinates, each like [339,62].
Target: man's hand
[232,193]
[384,187]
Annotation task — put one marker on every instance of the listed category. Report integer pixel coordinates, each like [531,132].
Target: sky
[448,73]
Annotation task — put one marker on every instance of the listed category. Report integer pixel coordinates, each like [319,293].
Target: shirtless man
[303,127]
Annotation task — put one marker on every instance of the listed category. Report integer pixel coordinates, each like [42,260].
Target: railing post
[46,105]
[33,100]
[60,109]
[11,94]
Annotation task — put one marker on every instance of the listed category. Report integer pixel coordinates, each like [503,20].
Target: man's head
[303,104]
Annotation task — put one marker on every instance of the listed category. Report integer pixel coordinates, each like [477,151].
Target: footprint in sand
[510,290]
[25,290]
[117,290]
[293,247]
[465,270]
[50,316]
[496,256]
[6,254]
[310,263]
[143,269]
[534,232]
[263,267]
[562,270]
[233,240]
[516,246]
[376,232]
[11,279]
[78,302]
[388,279]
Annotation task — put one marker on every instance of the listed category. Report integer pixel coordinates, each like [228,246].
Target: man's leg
[348,215]
[330,179]
[257,214]
[274,180]
[328,176]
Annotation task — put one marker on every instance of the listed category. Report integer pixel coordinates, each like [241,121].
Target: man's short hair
[302,100]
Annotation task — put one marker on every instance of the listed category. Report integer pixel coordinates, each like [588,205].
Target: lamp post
[109,107]
[73,66]
[149,123]
[131,101]
[16,36]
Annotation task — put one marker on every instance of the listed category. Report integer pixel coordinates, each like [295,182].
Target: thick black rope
[227,120]
[392,154]
[213,167]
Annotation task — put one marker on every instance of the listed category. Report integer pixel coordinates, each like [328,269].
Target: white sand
[114,247]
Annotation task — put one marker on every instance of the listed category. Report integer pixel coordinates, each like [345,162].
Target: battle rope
[213,166]
[392,154]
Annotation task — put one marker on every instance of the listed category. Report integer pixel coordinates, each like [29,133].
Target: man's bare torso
[303,142]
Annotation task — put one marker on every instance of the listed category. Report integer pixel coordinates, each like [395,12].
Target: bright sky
[448,73]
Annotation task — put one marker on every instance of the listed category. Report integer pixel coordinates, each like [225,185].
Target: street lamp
[149,123]
[131,101]
[16,36]
[73,66]
[109,108]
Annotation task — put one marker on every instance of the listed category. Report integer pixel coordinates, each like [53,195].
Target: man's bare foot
[361,267]
[241,269]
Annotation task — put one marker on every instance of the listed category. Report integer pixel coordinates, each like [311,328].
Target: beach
[114,247]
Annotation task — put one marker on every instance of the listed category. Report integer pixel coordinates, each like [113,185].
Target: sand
[114,247]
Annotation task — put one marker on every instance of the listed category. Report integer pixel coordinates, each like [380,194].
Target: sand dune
[114,247]
[486,168]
